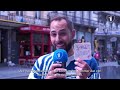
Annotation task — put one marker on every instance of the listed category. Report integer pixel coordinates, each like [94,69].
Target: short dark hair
[59,18]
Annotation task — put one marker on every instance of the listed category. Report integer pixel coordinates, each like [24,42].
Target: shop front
[34,41]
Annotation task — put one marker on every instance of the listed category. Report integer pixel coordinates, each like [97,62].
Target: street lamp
[105,31]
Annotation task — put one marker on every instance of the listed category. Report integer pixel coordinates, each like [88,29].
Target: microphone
[60,56]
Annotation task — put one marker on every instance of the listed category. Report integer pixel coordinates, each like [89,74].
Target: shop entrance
[3,48]
[33,43]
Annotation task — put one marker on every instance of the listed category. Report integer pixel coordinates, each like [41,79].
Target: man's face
[61,36]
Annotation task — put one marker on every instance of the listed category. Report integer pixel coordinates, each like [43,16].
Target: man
[62,34]
[97,56]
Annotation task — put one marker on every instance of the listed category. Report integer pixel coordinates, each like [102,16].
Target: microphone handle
[63,66]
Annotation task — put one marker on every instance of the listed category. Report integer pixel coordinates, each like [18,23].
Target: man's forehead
[58,25]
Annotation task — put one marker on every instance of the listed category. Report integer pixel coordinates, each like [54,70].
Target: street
[16,72]
[109,70]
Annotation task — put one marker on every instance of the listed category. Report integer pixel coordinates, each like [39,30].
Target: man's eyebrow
[62,30]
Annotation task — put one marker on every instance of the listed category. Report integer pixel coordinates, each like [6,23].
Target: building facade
[108,33]
[85,24]
[10,22]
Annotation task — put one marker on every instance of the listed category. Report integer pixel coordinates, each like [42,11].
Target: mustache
[60,42]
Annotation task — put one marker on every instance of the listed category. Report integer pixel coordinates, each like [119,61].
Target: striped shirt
[43,64]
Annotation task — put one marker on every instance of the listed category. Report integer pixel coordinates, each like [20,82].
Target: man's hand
[55,70]
[82,69]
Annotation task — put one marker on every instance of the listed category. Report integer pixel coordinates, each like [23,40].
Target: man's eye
[63,33]
[53,34]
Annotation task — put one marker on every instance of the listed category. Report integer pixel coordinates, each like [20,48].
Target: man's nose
[57,38]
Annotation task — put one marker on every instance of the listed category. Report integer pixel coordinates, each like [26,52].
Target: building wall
[0,46]
[107,47]
[10,37]
[93,16]
[4,44]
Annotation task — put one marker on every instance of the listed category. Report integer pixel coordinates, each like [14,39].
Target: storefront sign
[25,28]
[46,29]
[35,28]
[113,39]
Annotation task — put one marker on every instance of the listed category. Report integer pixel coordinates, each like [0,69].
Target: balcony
[114,13]
[76,20]
[12,20]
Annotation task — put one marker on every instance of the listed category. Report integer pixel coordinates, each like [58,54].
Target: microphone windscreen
[60,55]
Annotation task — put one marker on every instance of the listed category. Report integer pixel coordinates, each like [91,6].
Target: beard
[67,47]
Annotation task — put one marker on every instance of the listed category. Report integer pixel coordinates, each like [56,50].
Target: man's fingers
[59,70]
[77,77]
[50,77]
[80,61]
[55,66]
[79,64]
[57,75]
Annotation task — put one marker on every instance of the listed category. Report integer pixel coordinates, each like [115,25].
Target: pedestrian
[118,57]
[97,56]
[62,34]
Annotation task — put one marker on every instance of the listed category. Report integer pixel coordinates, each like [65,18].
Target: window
[46,38]
[88,37]
[24,38]
[37,50]
[114,27]
[65,13]
[37,44]
[37,38]
[80,35]
[119,27]
[37,14]
[24,50]
[46,49]
[24,41]
[86,14]
[19,13]
[4,13]
[108,25]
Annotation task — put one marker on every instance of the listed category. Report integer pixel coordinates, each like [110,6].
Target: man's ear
[73,33]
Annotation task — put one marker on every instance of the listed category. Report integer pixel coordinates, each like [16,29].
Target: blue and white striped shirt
[43,64]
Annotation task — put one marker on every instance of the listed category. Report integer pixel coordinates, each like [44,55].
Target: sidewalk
[15,71]
[110,70]
[101,64]
[23,71]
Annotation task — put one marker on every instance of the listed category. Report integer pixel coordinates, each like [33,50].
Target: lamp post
[106,31]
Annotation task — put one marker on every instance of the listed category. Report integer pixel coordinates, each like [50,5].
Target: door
[15,52]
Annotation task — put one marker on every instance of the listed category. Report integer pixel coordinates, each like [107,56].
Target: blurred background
[24,36]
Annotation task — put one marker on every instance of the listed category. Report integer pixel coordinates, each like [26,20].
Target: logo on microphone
[59,55]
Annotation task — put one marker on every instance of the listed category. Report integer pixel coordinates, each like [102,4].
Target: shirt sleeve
[36,70]
[95,73]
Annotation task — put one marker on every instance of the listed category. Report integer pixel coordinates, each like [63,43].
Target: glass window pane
[88,37]
[23,38]
[46,49]
[46,38]
[17,13]
[37,38]
[37,50]
[25,50]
